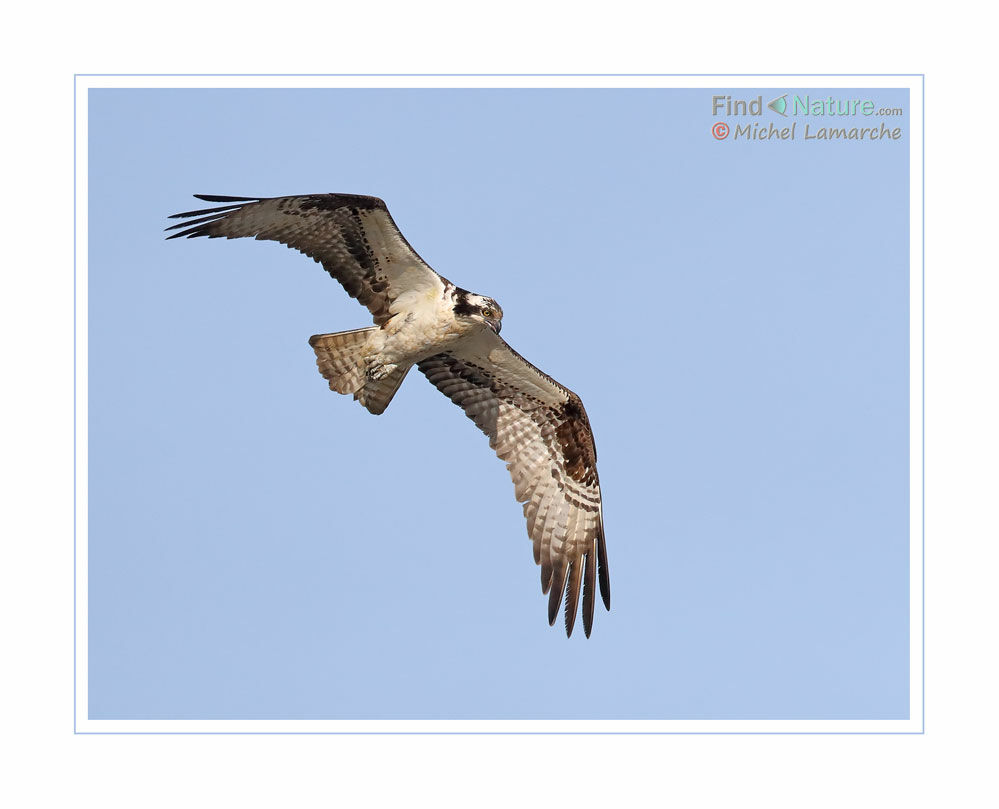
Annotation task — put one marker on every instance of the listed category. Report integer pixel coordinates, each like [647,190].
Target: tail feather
[341,358]
[377,393]
[344,360]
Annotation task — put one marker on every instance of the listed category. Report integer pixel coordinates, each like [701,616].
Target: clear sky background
[734,315]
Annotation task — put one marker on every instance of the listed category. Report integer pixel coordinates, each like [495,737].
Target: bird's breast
[412,337]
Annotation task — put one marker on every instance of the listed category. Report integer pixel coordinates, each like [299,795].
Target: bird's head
[478,309]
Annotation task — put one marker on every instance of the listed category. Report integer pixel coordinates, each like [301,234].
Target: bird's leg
[378,370]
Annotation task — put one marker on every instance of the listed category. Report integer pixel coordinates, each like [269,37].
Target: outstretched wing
[540,429]
[353,237]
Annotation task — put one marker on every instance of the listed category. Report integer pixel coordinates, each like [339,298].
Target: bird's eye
[488,313]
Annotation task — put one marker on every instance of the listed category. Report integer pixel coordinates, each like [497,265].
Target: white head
[478,309]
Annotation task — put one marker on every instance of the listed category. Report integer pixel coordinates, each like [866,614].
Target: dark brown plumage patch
[332,202]
[575,439]
[462,306]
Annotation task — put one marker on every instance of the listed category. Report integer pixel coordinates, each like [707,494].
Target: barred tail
[345,361]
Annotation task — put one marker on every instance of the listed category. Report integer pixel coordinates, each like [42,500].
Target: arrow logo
[778,105]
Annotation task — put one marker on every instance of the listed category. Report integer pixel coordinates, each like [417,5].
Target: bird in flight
[537,426]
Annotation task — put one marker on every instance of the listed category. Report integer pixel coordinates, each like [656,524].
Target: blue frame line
[923,399]
[74,405]
[498,732]
[494,75]
[921,731]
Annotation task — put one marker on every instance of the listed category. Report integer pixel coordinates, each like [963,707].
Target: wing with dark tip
[541,430]
[352,236]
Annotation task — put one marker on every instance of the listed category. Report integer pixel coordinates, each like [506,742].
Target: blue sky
[734,316]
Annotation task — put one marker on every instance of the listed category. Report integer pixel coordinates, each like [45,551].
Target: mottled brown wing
[541,430]
[354,238]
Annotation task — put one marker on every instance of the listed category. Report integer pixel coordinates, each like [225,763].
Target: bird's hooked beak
[494,324]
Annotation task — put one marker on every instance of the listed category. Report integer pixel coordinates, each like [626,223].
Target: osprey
[536,425]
